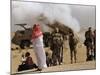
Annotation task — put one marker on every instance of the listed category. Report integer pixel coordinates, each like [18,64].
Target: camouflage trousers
[73,55]
[90,52]
[57,56]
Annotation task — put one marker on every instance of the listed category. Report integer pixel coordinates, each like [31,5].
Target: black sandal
[39,69]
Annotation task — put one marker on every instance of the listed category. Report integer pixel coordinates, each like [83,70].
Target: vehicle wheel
[25,43]
[22,45]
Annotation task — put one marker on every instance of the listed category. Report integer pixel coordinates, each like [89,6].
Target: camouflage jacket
[57,39]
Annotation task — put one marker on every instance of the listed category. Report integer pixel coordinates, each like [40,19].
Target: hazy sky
[85,15]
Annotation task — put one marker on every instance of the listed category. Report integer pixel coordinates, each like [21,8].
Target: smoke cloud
[42,13]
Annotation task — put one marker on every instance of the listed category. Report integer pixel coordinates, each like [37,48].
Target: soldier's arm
[85,34]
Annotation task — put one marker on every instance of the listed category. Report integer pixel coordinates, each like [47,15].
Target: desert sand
[66,66]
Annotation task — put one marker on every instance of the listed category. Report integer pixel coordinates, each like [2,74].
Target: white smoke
[31,13]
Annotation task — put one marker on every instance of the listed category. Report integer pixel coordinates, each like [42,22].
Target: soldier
[89,43]
[72,44]
[56,47]
[46,38]
[94,41]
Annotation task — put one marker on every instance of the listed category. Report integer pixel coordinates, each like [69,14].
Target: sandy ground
[66,66]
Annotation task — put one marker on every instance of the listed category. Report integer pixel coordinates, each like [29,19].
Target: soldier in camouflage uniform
[56,47]
[89,43]
[72,44]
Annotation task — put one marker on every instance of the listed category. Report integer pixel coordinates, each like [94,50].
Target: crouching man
[27,63]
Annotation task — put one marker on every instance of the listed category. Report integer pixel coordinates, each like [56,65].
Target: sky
[84,16]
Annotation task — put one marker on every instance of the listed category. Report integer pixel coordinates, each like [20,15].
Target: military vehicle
[22,37]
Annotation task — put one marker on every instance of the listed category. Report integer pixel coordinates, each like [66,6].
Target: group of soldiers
[56,41]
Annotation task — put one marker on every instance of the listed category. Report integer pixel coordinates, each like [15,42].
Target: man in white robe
[37,41]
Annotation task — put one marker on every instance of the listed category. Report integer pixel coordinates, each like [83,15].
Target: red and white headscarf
[36,31]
